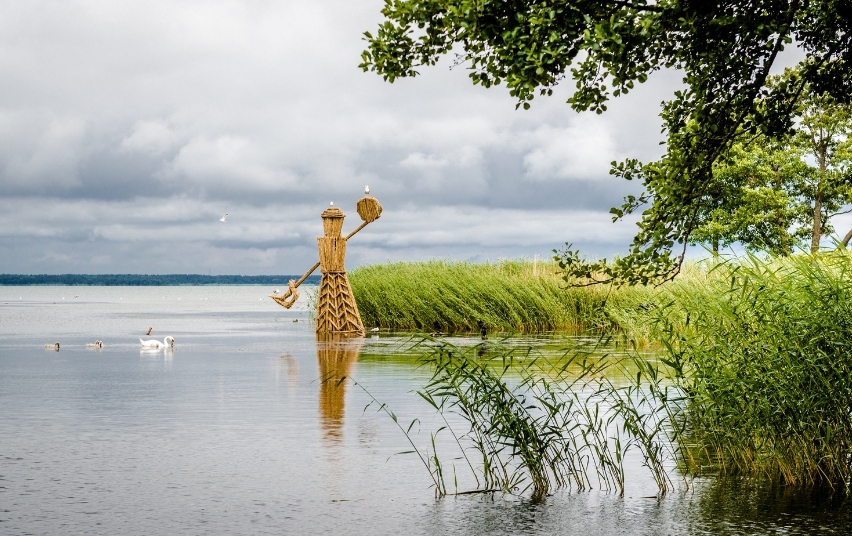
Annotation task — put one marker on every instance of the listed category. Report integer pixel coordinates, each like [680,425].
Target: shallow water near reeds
[234,433]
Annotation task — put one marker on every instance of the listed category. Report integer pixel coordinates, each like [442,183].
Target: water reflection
[336,357]
[731,505]
[291,368]
[152,357]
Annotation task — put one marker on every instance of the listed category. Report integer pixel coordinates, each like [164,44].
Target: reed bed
[531,424]
[754,376]
[763,352]
[446,296]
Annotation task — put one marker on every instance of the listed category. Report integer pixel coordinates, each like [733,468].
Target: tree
[725,50]
[756,199]
[774,193]
[824,132]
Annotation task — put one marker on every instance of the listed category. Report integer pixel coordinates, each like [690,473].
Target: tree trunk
[817,232]
[783,242]
[817,223]
[847,238]
[716,245]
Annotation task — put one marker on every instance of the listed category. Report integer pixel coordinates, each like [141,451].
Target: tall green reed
[515,295]
[763,354]
[536,424]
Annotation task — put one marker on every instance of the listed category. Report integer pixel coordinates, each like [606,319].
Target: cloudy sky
[128,128]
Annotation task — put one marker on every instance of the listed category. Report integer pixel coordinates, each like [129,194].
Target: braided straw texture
[369,209]
[337,311]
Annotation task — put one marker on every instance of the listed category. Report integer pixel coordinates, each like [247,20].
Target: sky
[127,129]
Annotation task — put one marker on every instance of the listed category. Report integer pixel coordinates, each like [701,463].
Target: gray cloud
[128,129]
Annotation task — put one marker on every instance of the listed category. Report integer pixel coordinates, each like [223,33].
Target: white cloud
[127,129]
[152,137]
[583,150]
[39,148]
[228,163]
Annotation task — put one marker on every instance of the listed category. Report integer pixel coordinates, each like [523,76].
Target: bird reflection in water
[292,366]
[336,356]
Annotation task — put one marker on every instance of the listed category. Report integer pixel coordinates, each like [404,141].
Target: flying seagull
[366,190]
[224,218]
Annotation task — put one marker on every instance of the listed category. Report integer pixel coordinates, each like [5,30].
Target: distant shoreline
[145,280]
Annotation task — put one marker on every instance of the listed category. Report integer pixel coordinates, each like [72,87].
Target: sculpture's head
[332,222]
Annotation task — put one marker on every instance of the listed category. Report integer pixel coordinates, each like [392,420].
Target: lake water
[234,433]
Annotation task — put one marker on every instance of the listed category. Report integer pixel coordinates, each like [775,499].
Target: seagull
[276,291]
[366,190]
[331,204]
[224,219]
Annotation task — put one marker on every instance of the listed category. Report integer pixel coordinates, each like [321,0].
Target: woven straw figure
[337,311]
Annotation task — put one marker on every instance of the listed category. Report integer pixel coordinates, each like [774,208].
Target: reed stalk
[537,425]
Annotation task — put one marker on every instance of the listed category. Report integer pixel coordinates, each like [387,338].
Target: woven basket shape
[369,209]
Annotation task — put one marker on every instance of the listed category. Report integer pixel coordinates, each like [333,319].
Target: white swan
[155,344]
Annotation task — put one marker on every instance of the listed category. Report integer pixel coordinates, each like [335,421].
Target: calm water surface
[233,433]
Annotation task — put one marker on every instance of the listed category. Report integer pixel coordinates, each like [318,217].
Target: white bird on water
[156,345]
[366,190]
[224,219]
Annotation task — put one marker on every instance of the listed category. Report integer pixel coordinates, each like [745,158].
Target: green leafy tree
[725,50]
[776,193]
[824,133]
[756,199]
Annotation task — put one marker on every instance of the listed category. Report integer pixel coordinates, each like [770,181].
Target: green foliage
[761,352]
[824,133]
[454,296]
[773,194]
[725,51]
[536,425]
[756,200]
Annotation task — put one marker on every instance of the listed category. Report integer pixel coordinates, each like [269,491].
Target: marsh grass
[754,376]
[446,296]
[763,353]
[532,425]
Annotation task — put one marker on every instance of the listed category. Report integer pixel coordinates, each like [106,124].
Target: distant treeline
[145,280]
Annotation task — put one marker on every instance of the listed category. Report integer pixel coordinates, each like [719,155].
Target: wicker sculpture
[337,311]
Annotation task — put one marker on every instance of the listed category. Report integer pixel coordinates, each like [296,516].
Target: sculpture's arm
[292,293]
[307,274]
[350,235]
